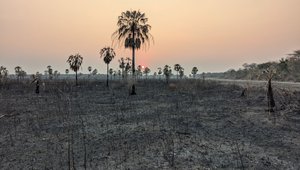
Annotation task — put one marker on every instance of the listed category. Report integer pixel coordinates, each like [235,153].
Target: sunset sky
[214,35]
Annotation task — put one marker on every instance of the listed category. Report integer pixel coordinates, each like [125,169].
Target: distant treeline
[287,69]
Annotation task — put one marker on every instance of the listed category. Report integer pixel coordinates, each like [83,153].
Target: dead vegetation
[189,124]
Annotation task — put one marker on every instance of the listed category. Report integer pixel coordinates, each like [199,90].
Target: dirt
[197,125]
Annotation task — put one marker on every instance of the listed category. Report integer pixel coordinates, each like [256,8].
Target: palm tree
[181,72]
[167,72]
[122,66]
[159,71]
[133,32]
[139,71]
[75,62]
[3,73]
[67,71]
[111,71]
[90,69]
[22,74]
[177,68]
[50,71]
[127,68]
[56,74]
[119,74]
[194,71]
[18,70]
[107,54]
[147,71]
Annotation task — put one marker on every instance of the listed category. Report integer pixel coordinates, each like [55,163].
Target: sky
[213,35]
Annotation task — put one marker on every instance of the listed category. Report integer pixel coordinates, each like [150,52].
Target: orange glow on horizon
[213,35]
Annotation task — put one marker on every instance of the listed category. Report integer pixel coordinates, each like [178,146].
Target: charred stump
[270,96]
[37,87]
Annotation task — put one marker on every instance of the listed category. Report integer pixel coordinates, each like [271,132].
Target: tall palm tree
[107,53]
[177,68]
[75,62]
[133,32]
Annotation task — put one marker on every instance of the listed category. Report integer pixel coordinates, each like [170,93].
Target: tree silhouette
[127,69]
[119,74]
[139,71]
[159,72]
[56,74]
[147,71]
[296,54]
[194,71]
[90,69]
[23,74]
[18,71]
[270,74]
[167,72]
[75,62]
[107,54]
[67,71]
[181,72]
[111,71]
[177,68]
[95,71]
[122,66]
[3,73]
[50,71]
[133,32]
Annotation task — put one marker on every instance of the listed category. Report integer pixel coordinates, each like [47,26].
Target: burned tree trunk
[244,92]
[270,96]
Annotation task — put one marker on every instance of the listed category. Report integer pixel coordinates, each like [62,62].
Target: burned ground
[197,125]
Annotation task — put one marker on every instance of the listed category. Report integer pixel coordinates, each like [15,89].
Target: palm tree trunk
[107,76]
[133,64]
[76,78]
